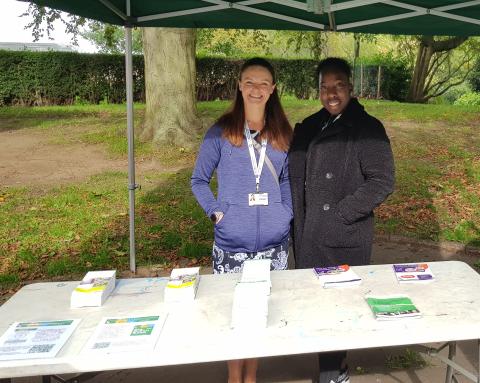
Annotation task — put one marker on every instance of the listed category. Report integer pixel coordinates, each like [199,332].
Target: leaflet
[182,285]
[413,272]
[94,289]
[32,340]
[120,334]
[337,276]
[392,307]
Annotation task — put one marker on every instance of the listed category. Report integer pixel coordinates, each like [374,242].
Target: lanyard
[257,168]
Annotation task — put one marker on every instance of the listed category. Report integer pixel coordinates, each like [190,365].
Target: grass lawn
[66,230]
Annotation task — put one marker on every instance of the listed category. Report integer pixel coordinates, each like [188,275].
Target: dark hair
[277,130]
[334,65]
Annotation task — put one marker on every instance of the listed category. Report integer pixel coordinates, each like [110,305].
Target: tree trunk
[427,48]
[420,72]
[170,114]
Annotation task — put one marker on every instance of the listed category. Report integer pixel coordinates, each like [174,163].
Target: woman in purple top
[248,147]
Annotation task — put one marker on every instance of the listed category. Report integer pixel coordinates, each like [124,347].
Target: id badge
[257,199]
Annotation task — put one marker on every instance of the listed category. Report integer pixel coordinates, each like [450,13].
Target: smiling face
[256,85]
[335,89]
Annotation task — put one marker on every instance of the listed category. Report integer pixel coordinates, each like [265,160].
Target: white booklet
[413,272]
[337,276]
[32,340]
[94,289]
[120,334]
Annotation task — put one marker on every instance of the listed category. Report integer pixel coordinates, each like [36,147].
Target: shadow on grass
[171,231]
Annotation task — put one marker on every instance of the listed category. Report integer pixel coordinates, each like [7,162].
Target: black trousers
[330,364]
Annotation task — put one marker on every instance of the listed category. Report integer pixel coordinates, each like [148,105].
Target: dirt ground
[28,159]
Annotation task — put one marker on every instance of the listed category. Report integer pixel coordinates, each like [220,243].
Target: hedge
[57,78]
[63,78]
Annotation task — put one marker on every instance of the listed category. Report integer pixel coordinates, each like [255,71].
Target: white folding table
[303,318]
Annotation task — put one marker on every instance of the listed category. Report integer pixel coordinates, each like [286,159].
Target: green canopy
[427,17]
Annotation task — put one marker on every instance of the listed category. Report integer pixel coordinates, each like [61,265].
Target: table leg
[452,350]
[478,371]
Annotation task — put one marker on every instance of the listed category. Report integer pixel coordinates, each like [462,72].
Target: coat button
[326,207]
[329,176]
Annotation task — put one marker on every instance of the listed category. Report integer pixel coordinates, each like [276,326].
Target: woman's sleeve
[284,181]
[207,161]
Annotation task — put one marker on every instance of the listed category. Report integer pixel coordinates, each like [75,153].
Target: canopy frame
[246,6]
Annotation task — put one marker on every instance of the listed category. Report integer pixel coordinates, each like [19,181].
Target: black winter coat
[338,176]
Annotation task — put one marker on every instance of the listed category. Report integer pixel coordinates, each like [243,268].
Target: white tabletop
[303,318]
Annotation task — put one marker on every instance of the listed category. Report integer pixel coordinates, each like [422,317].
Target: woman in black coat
[341,168]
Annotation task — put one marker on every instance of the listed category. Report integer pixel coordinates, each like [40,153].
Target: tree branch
[428,97]
[446,45]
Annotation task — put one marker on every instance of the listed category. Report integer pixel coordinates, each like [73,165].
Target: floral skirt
[231,262]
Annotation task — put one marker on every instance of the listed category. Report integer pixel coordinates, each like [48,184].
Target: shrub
[474,77]
[66,78]
[59,78]
[469,99]
[217,77]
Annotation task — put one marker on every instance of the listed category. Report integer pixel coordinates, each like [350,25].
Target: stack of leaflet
[250,300]
[182,285]
[392,307]
[94,289]
[413,272]
[257,270]
[337,276]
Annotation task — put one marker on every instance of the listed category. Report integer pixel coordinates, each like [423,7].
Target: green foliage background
[474,77]
[59,78]
[65,78]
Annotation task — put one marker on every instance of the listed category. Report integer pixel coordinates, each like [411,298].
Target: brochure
[392,307]
[120,334]
[94,289]
[32,340]
[337,276]
[182,285]
[413,272]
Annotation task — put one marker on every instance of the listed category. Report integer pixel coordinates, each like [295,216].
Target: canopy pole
[131,155]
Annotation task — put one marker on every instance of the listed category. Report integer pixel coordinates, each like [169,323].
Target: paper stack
[413,272]
[257,270]
[182,285]
[337,276]
[392,307]
[250,300]
[94,289]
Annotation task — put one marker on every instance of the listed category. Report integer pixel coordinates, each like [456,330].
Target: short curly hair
[334,65]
